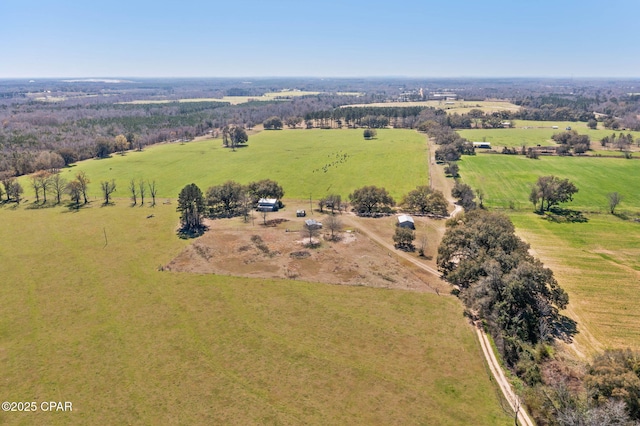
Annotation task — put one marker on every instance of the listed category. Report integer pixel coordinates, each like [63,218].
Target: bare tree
[246,200]
[333,224]
[35,184]
[134,191]
[422,244]
[614,199]
[108,188]
[142,189]
[58,184]
[153,190]
[84,181]
[310,230]
[16,191]
[74,189]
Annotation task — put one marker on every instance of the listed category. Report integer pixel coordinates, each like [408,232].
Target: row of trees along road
[371,200]
[503,285]
[519,301]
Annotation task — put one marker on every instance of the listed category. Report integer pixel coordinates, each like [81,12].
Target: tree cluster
[452,145]
[273,123]
[621,142]
[572,140]
[465,195]
[233,136]
[192,209]
[425,201]
[502,284]
[331,201]
[403,238]
[551,191]
[232,199]
[371,200]
[369,133]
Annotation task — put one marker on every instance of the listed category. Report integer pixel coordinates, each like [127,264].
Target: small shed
[482,145]
[268,205]
[313,224]
[406,221]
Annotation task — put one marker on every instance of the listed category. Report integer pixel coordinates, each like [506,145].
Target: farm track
[487,351]
[438,181]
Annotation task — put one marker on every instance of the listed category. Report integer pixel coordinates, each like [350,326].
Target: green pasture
[598,263]
[532,133]
[88,317]
[508,179]
[305,162]
[509,137]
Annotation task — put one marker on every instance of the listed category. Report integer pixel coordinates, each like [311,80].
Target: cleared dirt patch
[231,247]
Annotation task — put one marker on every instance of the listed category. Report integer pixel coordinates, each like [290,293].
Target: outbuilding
[313,224]
[482,145]
[406,221]
[268,205]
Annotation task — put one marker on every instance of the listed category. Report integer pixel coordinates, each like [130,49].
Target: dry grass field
[233,100]
[90,317]
[460,107]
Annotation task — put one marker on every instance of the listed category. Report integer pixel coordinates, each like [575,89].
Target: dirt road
[439,181]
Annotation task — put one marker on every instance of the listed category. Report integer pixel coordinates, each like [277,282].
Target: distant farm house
[447,96]
[482,145]
[313,224]
[406,221]
[268,205]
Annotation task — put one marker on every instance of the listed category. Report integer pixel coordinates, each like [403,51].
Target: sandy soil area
[282,250]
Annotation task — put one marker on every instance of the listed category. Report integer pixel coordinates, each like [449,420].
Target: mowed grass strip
[508,179]
[598,263]
[305,162]
[88,318]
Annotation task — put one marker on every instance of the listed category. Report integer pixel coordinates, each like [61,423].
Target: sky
[323,38]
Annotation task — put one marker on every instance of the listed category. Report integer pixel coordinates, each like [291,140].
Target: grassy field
[597,261]
[460,107]
[532,133]
[87,317]
[508,179]
[297,159]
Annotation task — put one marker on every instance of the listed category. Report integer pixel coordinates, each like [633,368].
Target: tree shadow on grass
[74,208]
[565,328]
[188,233]
[38,206]
[559,215]
[621,215]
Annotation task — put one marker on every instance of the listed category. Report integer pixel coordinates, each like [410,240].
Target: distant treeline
[78,130]
[44,121]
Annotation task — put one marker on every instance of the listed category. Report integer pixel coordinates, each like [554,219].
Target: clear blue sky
[324,38]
